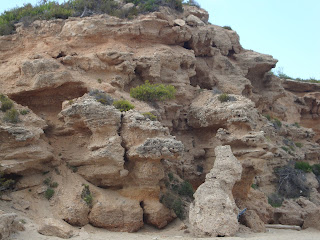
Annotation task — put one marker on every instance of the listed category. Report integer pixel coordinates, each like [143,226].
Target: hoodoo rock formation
[234,131]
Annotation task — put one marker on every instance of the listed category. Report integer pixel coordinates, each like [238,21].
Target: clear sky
[289,30]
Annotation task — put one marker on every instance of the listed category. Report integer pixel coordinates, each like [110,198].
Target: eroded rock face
[102,159]
[22,148]
[214,212]
[9,224]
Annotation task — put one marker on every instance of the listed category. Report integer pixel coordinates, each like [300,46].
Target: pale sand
[172,232]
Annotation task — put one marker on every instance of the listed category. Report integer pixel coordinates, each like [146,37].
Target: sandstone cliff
[52,69]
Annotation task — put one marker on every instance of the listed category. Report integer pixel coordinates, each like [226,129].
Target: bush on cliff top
[47,10]
[123,105]
[153,92]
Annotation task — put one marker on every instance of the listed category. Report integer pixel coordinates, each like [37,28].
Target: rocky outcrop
[57,228]
[214,212]
[9,224]
[23,149]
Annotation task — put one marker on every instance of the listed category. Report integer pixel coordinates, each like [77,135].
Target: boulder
[9,225]
[156,214]
[194,21]
[55,227]
[116,213]
[214,212]
[251,219]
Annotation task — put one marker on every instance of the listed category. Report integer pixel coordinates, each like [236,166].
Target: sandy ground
[172,232]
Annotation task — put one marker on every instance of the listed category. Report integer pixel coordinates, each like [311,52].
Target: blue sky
[289,30]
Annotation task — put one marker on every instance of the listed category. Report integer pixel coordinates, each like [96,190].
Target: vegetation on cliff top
[47,10]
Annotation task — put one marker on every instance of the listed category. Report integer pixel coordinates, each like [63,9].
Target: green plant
[54,185]
[316,169]
[170,176]
[123,105]
[101,97]
[47,181]
[275,200]
[304,166]
[11,116]
[186,189]
[227,27]
[24,112]
[276,123]
[153,92]
[296,125]
[192,3]
[86,195]
[267,116]
[299,145]
[173,202]
[224,97]
[49,193]
[6,103]
[99,80]
[285,148]
[254,186]
[5,182]
[149,115]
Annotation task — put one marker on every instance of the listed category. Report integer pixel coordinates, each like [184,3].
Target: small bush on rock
[11,116]
[149,115]
[224,97]
[304,166]
[153,92]
[101,97]
[49,193]
[173,202]
[275,200]
[123,105]
[227,27]
[186,189]
[86,195]
[6,103]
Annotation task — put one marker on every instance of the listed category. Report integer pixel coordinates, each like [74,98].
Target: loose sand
[172,232]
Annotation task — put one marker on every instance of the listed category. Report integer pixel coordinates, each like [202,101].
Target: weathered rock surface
[119,213]
[9,224]
[57,228]
[300,212]
[214,212]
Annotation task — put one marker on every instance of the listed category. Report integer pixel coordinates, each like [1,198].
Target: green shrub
[186,189]
[149,115]
[224,97]
[54,185]
[47,181]
[275,200]
[254,186]
[277,123]
[6,103]
[304,166]
[86,195]
[11,116]
[173,202]
[170,176]
[299,145]
[267,116]
[49,193]
[296,125]
[24,112]
[316,169]
[227,27]
[123,105]
[101,97]
[153,92]
[5,182]
[192,3]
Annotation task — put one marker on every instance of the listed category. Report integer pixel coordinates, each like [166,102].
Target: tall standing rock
[214,212]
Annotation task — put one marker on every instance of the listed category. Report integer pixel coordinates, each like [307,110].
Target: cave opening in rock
[49,99]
